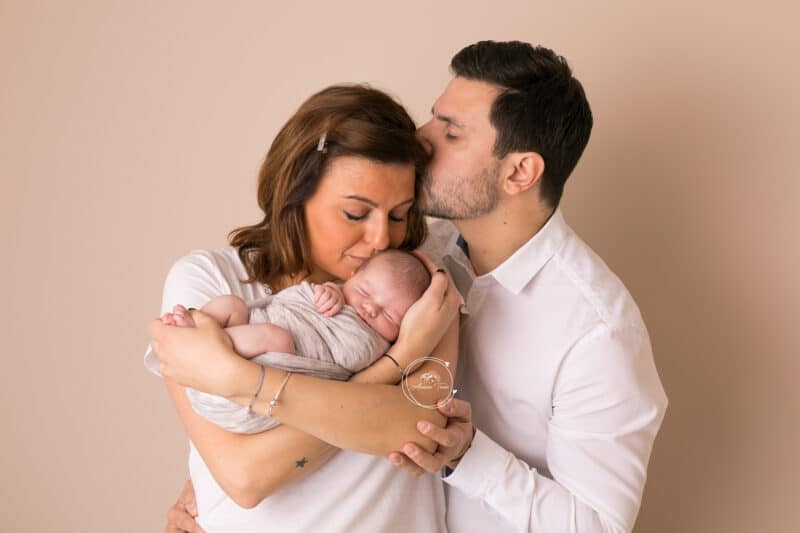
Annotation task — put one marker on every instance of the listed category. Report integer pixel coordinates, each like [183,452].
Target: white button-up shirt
[557,364]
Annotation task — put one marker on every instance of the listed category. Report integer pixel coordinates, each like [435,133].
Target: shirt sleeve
[192,281]
[608,404]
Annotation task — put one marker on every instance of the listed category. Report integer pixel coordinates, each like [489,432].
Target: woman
[337,185]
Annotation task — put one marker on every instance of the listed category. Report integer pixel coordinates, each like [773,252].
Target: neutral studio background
[131,133]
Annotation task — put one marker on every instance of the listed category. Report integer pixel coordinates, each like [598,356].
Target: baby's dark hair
[408,270]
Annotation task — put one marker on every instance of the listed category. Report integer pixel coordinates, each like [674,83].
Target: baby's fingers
[336,306]
[325,305]
[318,291]
[324,300]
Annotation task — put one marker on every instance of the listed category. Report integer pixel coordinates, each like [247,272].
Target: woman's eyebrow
[373,203]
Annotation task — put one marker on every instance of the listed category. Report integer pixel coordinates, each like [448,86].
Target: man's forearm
[527,500]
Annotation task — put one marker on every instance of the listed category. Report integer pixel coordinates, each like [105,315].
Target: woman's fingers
[438,289]
[203,320]
[425,260]
[201,357]
[154,328]
[450,296]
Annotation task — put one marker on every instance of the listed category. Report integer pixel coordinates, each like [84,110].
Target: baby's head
[383,288]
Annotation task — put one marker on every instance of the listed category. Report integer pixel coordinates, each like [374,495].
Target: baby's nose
[369,309]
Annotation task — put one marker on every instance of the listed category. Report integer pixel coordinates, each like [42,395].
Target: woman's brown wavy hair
[357,121]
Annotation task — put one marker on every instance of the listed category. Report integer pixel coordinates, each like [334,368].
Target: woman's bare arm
[372,418]
[369,418]
[251,467]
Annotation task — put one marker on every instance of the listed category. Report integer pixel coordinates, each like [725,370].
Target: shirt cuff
[480,468]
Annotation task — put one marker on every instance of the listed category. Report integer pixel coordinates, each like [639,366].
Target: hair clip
[321,144]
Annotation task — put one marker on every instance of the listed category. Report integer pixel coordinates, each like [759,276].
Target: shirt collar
[518,270]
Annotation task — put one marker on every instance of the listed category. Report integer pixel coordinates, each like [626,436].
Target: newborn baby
[321,330]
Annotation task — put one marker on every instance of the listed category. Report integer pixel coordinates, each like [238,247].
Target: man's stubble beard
[467,198]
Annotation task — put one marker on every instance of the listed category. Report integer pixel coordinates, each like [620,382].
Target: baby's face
[377,300]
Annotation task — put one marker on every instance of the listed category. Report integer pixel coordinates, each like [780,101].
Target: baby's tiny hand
[328,298]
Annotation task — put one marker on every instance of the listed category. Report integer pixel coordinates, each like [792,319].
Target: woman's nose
[378,234]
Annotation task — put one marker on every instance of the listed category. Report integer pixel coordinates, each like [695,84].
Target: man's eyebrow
[446,118]
[371,202]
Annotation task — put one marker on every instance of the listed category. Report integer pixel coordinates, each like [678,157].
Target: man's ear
[524,170]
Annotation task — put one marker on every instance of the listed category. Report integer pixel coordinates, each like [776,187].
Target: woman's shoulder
[219,259]
[220,268]
[217,263]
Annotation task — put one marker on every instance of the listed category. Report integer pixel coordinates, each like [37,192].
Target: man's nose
[424,139]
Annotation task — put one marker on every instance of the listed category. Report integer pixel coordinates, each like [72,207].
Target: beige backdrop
[131,132]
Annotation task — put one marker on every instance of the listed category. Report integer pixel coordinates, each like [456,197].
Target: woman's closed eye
[353,216]
[356,217]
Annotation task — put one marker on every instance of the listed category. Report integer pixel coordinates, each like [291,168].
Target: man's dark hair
[542,108]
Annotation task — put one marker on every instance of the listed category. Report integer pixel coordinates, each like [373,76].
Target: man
[562,401]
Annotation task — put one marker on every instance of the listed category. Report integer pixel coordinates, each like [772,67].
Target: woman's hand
[426,321]
[201,357]
[181,516]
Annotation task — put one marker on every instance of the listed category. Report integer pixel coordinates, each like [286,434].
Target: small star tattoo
[301,463]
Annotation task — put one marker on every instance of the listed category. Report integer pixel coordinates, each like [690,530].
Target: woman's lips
[357,259]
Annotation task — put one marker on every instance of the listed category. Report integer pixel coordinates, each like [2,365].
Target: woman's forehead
[350,176]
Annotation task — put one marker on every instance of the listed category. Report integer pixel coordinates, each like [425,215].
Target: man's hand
[454,440]
[328,298]
[181,516]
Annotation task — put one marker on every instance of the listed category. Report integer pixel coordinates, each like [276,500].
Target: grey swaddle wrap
[327,347]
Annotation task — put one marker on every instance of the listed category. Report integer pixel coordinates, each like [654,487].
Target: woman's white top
[352,492]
